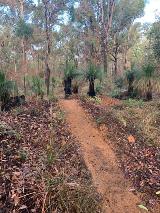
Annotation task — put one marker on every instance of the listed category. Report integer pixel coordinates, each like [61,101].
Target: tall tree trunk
[116,67]
[15,66]
[104,54]
[47,76]
[47,68]
[38,63]
[105,29]
[23,44]
[24,84]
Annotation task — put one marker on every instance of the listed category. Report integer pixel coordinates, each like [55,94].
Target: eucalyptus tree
[15,15]
[124,33]
[95,17]
[47,15]
[154,36]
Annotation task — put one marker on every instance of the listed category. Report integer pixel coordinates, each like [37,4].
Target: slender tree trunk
[116,61]
[38,63]
[24,84]
[47,68]
[23,44]
[116,67]
[104,54]
[47,77]
[125,58]
[15,66]
[105,29]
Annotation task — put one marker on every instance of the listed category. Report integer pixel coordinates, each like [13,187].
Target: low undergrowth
[133,131]
[41,168]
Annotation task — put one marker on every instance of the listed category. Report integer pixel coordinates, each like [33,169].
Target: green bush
[119,82]
[99,88]
[6,87]
[133,103]
[37,85]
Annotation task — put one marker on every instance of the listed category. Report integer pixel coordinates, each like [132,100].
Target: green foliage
[143,207]
[119,82]
[23,155]
[148,70]
[130,75]
[70,197]
[133,103]
[126,11]
[6,87]
[94,72]
[53,82]
[70,70]
[147,79]
[96,100]
[114,93]
[23,30]
[50,155]
[154,35]
[37,85]
[99,88]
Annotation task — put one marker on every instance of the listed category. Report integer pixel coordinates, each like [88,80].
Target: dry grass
[144,117]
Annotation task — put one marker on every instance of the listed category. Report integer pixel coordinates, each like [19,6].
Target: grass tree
[6,88]
[130,78]
[70,72]
[148,82]
[92,74]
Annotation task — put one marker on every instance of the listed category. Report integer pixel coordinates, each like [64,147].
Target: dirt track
[101,161]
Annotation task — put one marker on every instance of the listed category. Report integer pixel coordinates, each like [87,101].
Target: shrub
[6,87]
[147,82]
[37,85]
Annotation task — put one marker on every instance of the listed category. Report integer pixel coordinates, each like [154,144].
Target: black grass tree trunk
[130,89]
[75,88]
[91,91]
[131,79]
[68,87]
[149,91]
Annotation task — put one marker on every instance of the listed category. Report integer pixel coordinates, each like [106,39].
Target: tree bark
[23,44]
[68,87]
[149,92]
[47,68]
[91,91]
[105,28]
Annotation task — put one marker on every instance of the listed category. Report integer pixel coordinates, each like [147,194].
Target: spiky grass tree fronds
[70,70]
[6,87]
[148,82]
[92,74]
[129,80]
[70,73]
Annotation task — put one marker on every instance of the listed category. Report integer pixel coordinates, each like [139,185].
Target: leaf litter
[41,167]
[139,161]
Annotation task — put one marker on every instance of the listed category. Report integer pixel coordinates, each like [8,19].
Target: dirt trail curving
[101,161]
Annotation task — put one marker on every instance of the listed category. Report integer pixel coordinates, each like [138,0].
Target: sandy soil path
[101,161]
